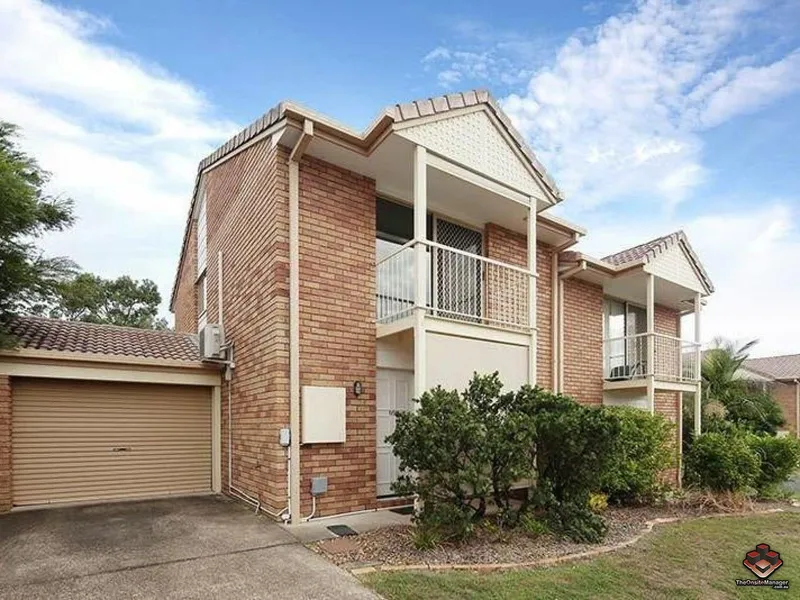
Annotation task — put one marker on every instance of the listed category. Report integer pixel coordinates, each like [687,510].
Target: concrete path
[205,547]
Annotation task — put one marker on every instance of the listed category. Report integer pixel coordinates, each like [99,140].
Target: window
[625,349]
[201,235]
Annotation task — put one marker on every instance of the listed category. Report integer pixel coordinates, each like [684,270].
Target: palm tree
[720,368]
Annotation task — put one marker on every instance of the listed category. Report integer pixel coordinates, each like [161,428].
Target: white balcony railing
[674,359]
[459,285]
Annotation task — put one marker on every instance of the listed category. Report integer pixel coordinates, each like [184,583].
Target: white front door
[395,388]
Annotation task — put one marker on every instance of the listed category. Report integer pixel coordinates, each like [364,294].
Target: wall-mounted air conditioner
[211,341]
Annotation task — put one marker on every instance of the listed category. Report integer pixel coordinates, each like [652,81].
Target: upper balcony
[459,285]
[674,363]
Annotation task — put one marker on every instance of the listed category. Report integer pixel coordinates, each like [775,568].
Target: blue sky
[653,115]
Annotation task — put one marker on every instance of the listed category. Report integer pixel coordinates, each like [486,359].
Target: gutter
[573,270]
[294,319]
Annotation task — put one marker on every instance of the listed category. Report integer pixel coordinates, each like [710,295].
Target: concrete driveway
[205,547]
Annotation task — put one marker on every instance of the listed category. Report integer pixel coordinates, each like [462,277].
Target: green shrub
[598,503]
[779,458]
[721,463]
[459,451]
[441,452]
[642,451]
[754,410]
[532,526]
[425,538]
[573,444]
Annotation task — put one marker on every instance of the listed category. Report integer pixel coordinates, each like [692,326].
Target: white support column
[420,267]
[698,404]
[651,341]
[532,350]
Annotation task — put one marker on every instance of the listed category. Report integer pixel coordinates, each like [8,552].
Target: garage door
[81,441]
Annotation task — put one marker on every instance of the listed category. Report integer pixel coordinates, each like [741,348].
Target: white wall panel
[452,360]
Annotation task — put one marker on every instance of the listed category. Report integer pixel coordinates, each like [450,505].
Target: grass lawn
[695,559]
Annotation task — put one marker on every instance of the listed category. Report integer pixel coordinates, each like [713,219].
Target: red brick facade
[512,248]
[185,308]
[247,203]
[785,395]
[247,219]
[583,341]
[5,443]
[337,327]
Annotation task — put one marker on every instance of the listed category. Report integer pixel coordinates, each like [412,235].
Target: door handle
[122,449]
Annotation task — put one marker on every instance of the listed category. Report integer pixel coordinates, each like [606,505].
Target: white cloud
[618,115]
[485,56]
[620,111]
[120,136]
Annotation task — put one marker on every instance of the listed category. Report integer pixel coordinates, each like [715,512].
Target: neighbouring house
[780,375]
[334,275]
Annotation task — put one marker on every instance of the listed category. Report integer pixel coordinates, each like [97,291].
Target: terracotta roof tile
[637,253]
[73,336]
[777,367]
[649,250]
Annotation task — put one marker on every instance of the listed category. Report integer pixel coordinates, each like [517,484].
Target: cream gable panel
[473,140]
[673,265]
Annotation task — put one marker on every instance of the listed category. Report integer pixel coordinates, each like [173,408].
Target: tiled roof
[73,336]
[649,250]
[407,111]
[637,253]
[425,107]
[398,113]
[777,367]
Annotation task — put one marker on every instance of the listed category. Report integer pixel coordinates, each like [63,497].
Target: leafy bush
[598,503]
[642,452]
[532,526]
[459,451]
[754,410]
[441,447]
[426,538]
[572,445]
[721,463]
[779,458]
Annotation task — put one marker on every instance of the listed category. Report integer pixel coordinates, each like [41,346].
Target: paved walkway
[208,547]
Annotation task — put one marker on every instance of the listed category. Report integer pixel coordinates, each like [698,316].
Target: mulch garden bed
[394,545]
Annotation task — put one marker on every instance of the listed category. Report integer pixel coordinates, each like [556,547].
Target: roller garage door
[78,441]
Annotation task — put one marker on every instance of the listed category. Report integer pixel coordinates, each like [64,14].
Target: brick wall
[185,306]
[668,322]
[583,341]
[785,396]
[668,404]
[247,219]
[511,247]
[337,327]
[5,443]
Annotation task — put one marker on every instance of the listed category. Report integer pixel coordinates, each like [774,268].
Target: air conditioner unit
[211,341]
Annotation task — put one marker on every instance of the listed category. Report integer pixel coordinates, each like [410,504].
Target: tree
[720,369]
[742,405]
[27,212]
[122,301]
